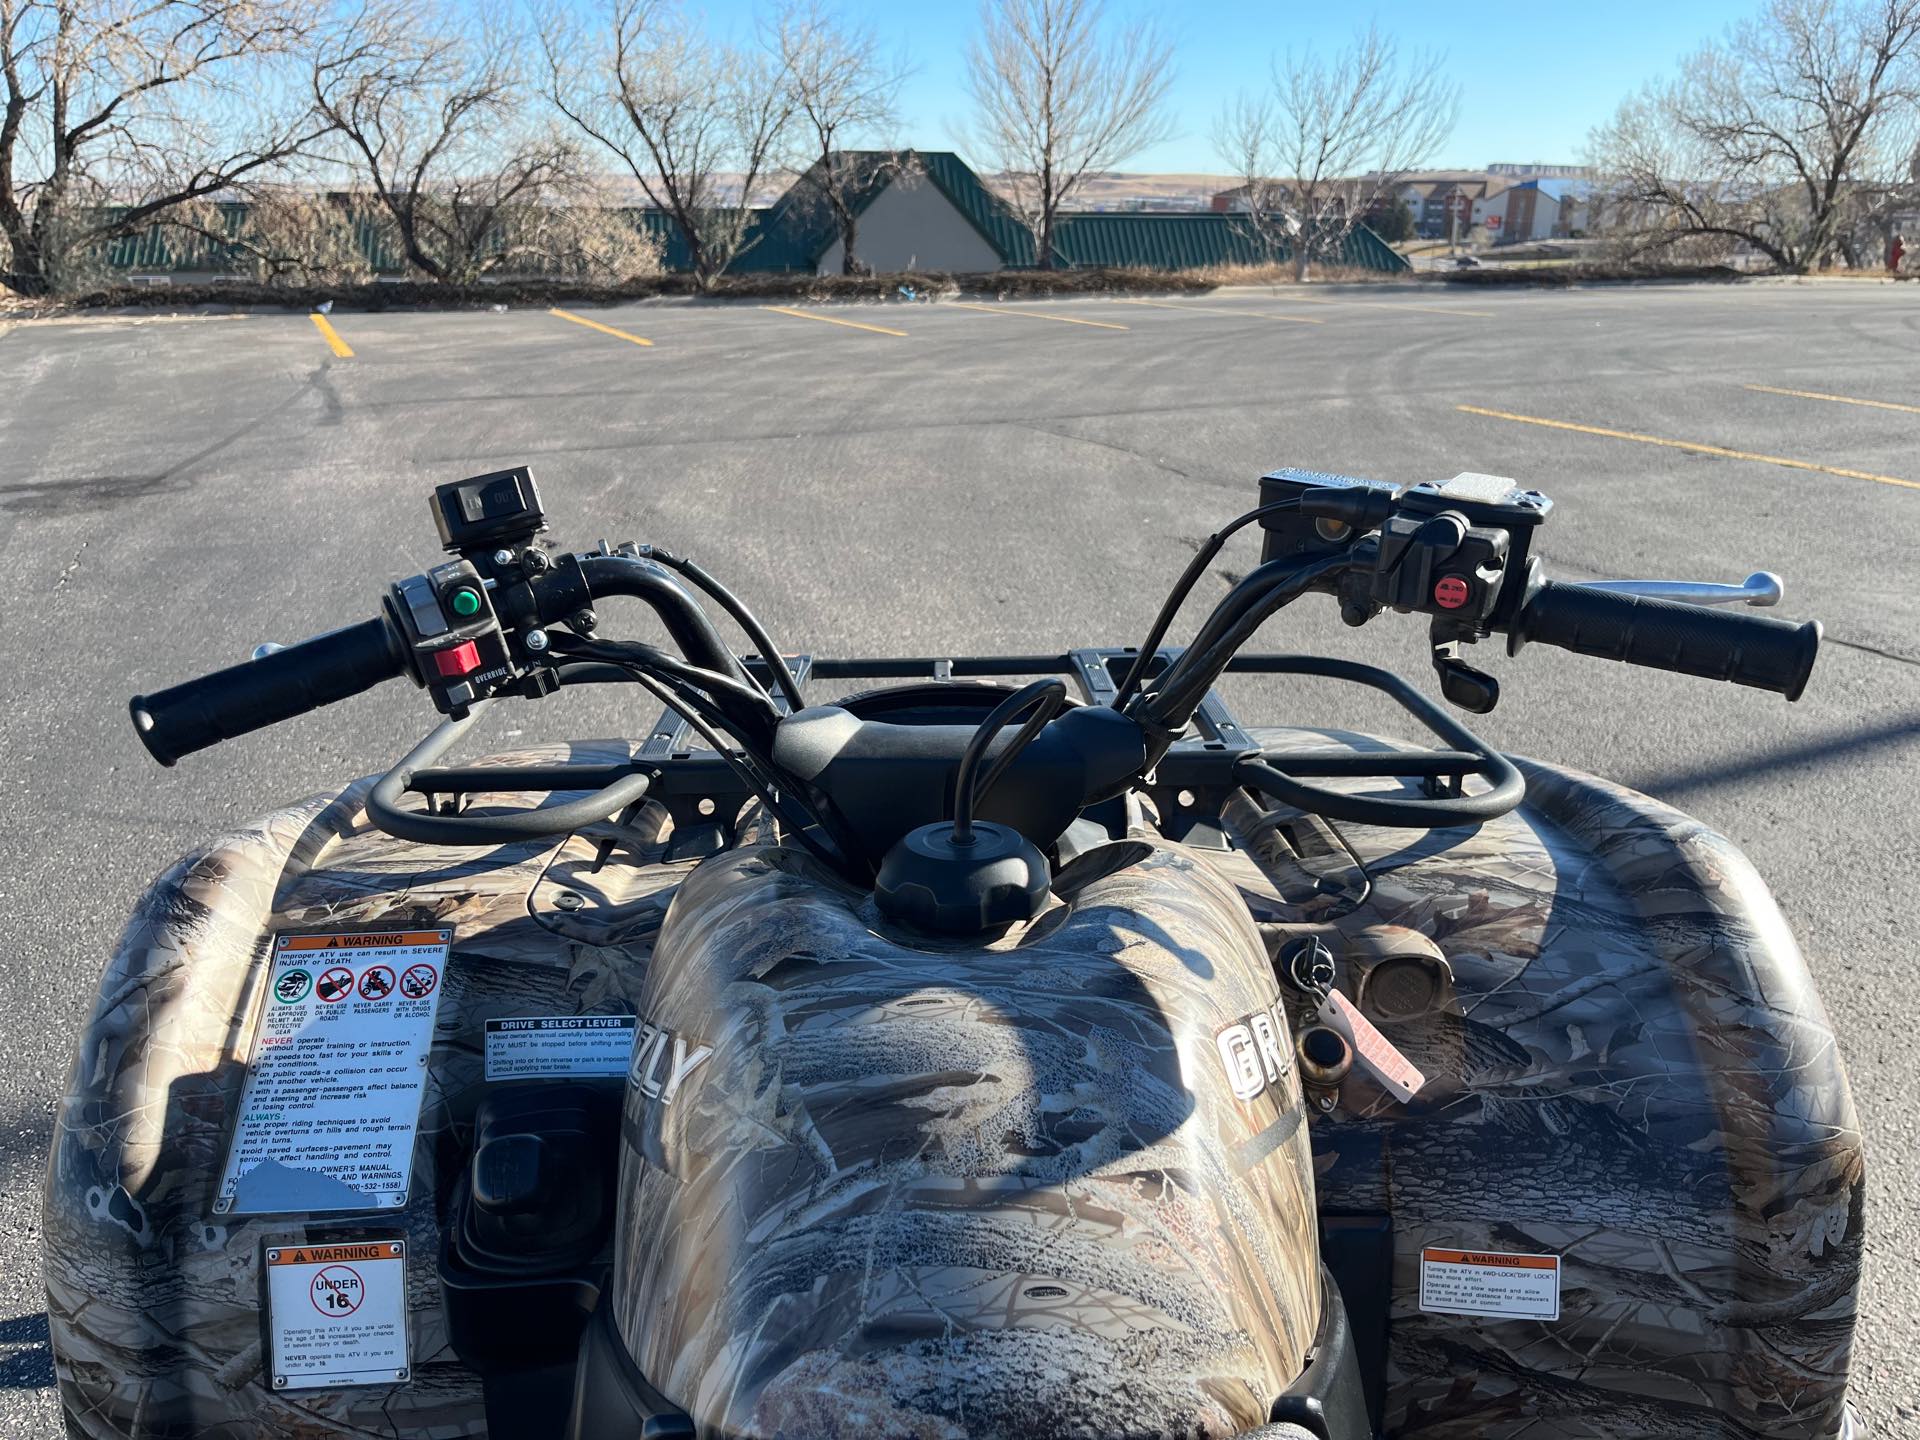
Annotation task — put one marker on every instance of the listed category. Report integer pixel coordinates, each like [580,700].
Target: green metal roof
[1194,242]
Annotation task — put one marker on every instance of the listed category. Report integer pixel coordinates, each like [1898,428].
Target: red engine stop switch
[1451,592]
[457,660]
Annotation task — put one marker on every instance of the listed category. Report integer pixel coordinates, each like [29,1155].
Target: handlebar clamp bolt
[503,557]
[537,640]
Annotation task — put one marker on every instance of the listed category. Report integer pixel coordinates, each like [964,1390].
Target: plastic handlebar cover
[276,687]
[1755,650]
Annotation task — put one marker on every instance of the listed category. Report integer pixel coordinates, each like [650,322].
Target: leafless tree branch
[1060,94]
[1333,137]
[677,108]
[112,112]
[843,91]
[431,110]
[1787,137]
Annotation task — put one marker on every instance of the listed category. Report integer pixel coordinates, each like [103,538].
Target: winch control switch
[501,509]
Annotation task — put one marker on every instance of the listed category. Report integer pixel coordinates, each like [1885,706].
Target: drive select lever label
[1481,1282]
[338,1314]
[537,1045]
[332,1096]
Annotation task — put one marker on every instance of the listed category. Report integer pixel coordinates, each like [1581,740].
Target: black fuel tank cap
[935,879]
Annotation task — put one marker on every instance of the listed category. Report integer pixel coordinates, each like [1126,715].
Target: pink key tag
[1376,1054]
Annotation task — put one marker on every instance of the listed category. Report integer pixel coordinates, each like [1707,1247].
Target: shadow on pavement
[26,1353]
[1674,786]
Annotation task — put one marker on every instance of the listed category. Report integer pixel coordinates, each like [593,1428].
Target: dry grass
[427,295]
[1282,274]
[1583,272]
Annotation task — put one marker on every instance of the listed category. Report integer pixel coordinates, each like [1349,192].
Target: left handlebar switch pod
[456,645]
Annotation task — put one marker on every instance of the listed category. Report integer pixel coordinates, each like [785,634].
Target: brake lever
[1763,587]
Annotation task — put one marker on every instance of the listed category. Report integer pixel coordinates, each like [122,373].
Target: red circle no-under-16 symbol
[376,982]
[334,984]
[337,1291]
[418,981]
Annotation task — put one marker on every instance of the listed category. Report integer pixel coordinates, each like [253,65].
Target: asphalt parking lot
[950,478]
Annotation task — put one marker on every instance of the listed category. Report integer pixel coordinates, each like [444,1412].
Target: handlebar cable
[686,702]
[1183,587]
[742,616]
[652,657]
[1047,697]
[652,583]
[1188,679]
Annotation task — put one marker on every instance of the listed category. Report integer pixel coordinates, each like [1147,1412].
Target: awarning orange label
[1482,1257]
[335,1254]
[385,941]
[1489,1283]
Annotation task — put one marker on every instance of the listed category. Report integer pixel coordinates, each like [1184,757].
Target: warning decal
[1480,1282]
[339,1056]
[521,1048]
[338,1314]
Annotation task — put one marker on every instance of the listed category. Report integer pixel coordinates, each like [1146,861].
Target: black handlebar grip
[276,687]
[1754,650]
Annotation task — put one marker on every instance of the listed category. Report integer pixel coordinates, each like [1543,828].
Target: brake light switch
[457,660]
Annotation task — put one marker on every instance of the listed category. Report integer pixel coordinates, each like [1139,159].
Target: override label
[332,1096]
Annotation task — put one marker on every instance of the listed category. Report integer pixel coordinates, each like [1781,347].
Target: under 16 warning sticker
[338,1314]
[1480,1282]
[520,1048]
[332,1097]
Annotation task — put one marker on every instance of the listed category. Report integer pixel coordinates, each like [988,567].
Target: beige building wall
[912,226]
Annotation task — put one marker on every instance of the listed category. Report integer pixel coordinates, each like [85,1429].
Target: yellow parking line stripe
[833,320]
[1035,315]
[1692,445]
[1392,305]
[596,325]
[1222,310]
[331,336]
[1836,399]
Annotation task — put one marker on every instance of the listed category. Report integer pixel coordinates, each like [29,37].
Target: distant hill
[1110,190]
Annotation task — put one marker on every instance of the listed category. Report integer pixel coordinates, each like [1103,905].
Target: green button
[466,602]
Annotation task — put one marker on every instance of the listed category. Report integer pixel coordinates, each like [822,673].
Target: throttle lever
[1763,587]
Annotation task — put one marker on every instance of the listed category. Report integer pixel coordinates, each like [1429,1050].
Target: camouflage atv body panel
[1633,1073]
[965,1189]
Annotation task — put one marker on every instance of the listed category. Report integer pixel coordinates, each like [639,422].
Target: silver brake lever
[1763,587]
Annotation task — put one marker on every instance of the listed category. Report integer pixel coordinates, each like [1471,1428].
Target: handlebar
[1755,650]
[257,693]
[476,627]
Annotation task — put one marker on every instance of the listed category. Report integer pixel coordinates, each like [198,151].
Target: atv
[1027,1047]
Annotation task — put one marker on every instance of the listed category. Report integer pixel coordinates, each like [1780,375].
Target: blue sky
[1535,77]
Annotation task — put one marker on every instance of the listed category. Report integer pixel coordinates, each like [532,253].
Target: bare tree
[1243,138]
[679,109]
[1060,95]
[843,91]
[431,111]
[282,234]
[1335,137]
[113,112]
[1796,128]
